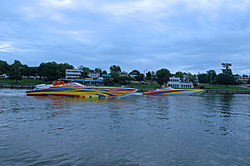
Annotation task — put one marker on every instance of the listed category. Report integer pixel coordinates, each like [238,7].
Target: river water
[209,129]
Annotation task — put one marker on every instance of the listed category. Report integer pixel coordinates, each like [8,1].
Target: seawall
[227,91]
[19,86]
[24,86]
[212,91]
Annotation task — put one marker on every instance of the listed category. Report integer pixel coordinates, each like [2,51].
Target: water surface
[210,129]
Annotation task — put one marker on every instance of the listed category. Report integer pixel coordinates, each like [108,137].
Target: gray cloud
[179,35]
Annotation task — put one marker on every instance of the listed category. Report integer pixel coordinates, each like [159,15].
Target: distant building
[132,75]
[242,79]
[33,77]
[73,73]
[4,76]
[93,74]
[175,82]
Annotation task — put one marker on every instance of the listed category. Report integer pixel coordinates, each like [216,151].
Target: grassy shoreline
[138,86]
[23,82]
[223,87]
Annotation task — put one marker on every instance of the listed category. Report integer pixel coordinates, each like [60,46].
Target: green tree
[211,76]
[51,71]
[162,76]
[15,73]
[179,74]
[115,76]
[115,68]
[226,79]
[29,71]
[83,68]
[148,76]
[227,70]
[41,69]
[244,75]
[99,70]
[4,67]
[139,77]
[104,72]
[203,78]
[62,68]
[134,72]
[85,71]
[108,81]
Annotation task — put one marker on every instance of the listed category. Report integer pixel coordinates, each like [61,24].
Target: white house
[73,73]
[93,74]
[175,82]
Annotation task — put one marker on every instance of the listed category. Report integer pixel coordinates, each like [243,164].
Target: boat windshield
[167,88]
[76,83]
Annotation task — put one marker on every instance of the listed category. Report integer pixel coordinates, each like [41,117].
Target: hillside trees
[115,68]
[226,77]
[15,73]
[4,67]
[52,71]
[163,76]
[179,74]
[134,72]
[62,69]
[29,71]
[211,74]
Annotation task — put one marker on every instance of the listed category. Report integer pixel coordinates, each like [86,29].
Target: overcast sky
[180,35]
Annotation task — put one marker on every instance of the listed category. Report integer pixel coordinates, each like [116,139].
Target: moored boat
[171,91]
[75,89]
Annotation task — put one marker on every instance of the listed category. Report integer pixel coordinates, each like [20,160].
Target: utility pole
[211,77]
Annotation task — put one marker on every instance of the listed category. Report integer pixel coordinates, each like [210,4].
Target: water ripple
[210,129]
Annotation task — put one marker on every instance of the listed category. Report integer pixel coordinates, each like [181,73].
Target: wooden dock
[212,91]
[227,91]
[18,86]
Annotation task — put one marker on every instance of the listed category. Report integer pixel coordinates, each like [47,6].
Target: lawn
[24,81]
[145,86]
[222,87]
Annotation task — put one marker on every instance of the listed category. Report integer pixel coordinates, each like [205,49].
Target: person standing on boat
[56,82]
[61,82]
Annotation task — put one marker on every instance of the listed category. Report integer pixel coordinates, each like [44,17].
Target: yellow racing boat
[75,89]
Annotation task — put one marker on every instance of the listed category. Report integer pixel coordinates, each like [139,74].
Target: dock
[18,86]
[227,91]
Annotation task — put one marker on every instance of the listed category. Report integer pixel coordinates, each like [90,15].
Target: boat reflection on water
[64,104]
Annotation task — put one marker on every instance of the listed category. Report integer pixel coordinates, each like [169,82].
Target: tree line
[48,71]
[51,71]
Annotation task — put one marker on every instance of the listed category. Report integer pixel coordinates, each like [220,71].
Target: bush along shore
[230,89]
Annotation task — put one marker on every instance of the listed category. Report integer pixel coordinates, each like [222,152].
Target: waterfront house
[73,73]
[175,82]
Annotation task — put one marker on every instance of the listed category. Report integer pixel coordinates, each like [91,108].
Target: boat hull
[83,92]
[174,92]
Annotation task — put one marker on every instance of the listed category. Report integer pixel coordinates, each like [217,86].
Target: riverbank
[214,91]
[230,90]
[18,86]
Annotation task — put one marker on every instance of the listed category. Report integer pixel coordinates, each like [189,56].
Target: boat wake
[12,92]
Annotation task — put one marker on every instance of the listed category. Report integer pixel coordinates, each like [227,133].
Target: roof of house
[106,75]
